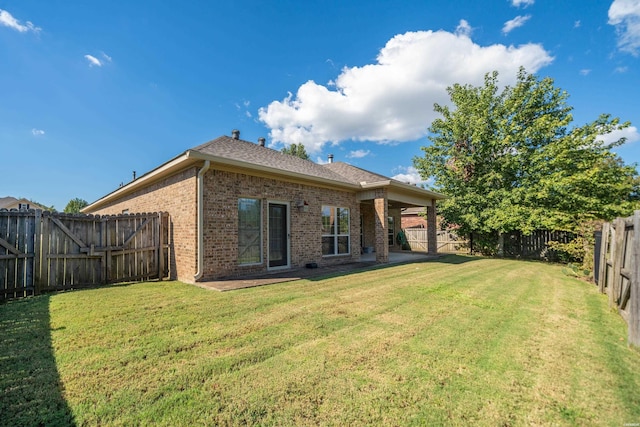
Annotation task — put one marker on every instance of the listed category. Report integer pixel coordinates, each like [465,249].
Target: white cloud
[625,16]
[577,24]
[630,133]
[410,175]
[358,154]
[321,160]
[8,20]
[37,132]
[514,23]
[523,3]
[621,70]
[93,61]
[585,72]
[392,99]
[464,29]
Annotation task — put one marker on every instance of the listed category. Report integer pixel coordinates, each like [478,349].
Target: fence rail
[618,274]
[46,251]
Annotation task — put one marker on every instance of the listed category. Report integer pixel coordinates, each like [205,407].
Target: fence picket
[620,270]
[43,251]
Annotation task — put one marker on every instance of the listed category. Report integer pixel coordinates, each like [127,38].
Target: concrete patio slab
[269,278]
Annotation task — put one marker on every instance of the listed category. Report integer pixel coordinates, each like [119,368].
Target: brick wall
[176,195]
[222,190]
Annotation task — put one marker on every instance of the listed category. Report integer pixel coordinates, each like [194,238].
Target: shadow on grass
[456,259]
[30,387]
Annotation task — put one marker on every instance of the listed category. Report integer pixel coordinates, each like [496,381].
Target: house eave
[400,190]
[169,168]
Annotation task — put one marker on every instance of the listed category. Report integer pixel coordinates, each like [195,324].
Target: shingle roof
[7,201]
[355,174]
[244,151]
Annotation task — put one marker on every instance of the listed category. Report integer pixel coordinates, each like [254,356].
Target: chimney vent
[330,158]
[134,175]
[235,134]
[261,141]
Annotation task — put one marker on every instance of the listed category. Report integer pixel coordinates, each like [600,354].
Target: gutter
[200,219]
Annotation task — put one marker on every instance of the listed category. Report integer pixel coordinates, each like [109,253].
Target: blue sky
[93,90]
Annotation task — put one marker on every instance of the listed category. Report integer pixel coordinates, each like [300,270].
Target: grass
[456,341]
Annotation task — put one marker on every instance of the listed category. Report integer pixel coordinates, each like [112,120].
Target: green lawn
[456,341]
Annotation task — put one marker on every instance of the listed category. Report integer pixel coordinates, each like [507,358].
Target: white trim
[200,221]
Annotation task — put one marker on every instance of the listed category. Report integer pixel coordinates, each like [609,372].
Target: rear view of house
[238,208]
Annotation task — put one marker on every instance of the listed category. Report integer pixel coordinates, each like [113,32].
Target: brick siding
[222,190]
[175,195]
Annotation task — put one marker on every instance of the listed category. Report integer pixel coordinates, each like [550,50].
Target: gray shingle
[244,151]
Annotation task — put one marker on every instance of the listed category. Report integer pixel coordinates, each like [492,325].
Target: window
[249,231]
[392,230]
[23,206]
[335,231]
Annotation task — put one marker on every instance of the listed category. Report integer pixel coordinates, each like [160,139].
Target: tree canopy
[296,150]
[509,161]
[75,205]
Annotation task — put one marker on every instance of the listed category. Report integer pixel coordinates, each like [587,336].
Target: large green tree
[75,205]
[296,150]
[508,160]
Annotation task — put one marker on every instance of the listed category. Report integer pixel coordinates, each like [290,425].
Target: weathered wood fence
[619,270]
[447,242]
[46,251]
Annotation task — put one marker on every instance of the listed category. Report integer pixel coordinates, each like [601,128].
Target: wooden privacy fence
[46,251]
[450,242]
[619,270]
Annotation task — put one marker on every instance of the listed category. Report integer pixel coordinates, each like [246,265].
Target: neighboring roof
[414,211]
[245,155]
[12,202]
[7,201]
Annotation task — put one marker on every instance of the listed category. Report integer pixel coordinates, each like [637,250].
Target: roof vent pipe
[235,134]
[261,141]
[330,158]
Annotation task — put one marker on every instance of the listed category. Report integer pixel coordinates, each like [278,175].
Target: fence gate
[619,270]
[45,251]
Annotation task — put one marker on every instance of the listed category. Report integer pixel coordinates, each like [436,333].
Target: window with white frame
[249,231]
[336,238]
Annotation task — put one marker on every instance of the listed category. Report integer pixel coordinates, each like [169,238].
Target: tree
[75,205]
[296,150]
[509,162]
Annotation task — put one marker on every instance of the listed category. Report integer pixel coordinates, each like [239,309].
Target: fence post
[37,252]
[618,250]
[604,246]
[634,309]
[160,261]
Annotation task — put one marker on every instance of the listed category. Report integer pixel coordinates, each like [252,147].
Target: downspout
[200,219]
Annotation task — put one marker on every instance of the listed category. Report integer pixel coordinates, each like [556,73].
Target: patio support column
[432,234]
[382,226]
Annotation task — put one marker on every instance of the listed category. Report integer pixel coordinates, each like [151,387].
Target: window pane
[328,220]
[343,220]
[343,245]
[249,231]
[328,245]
